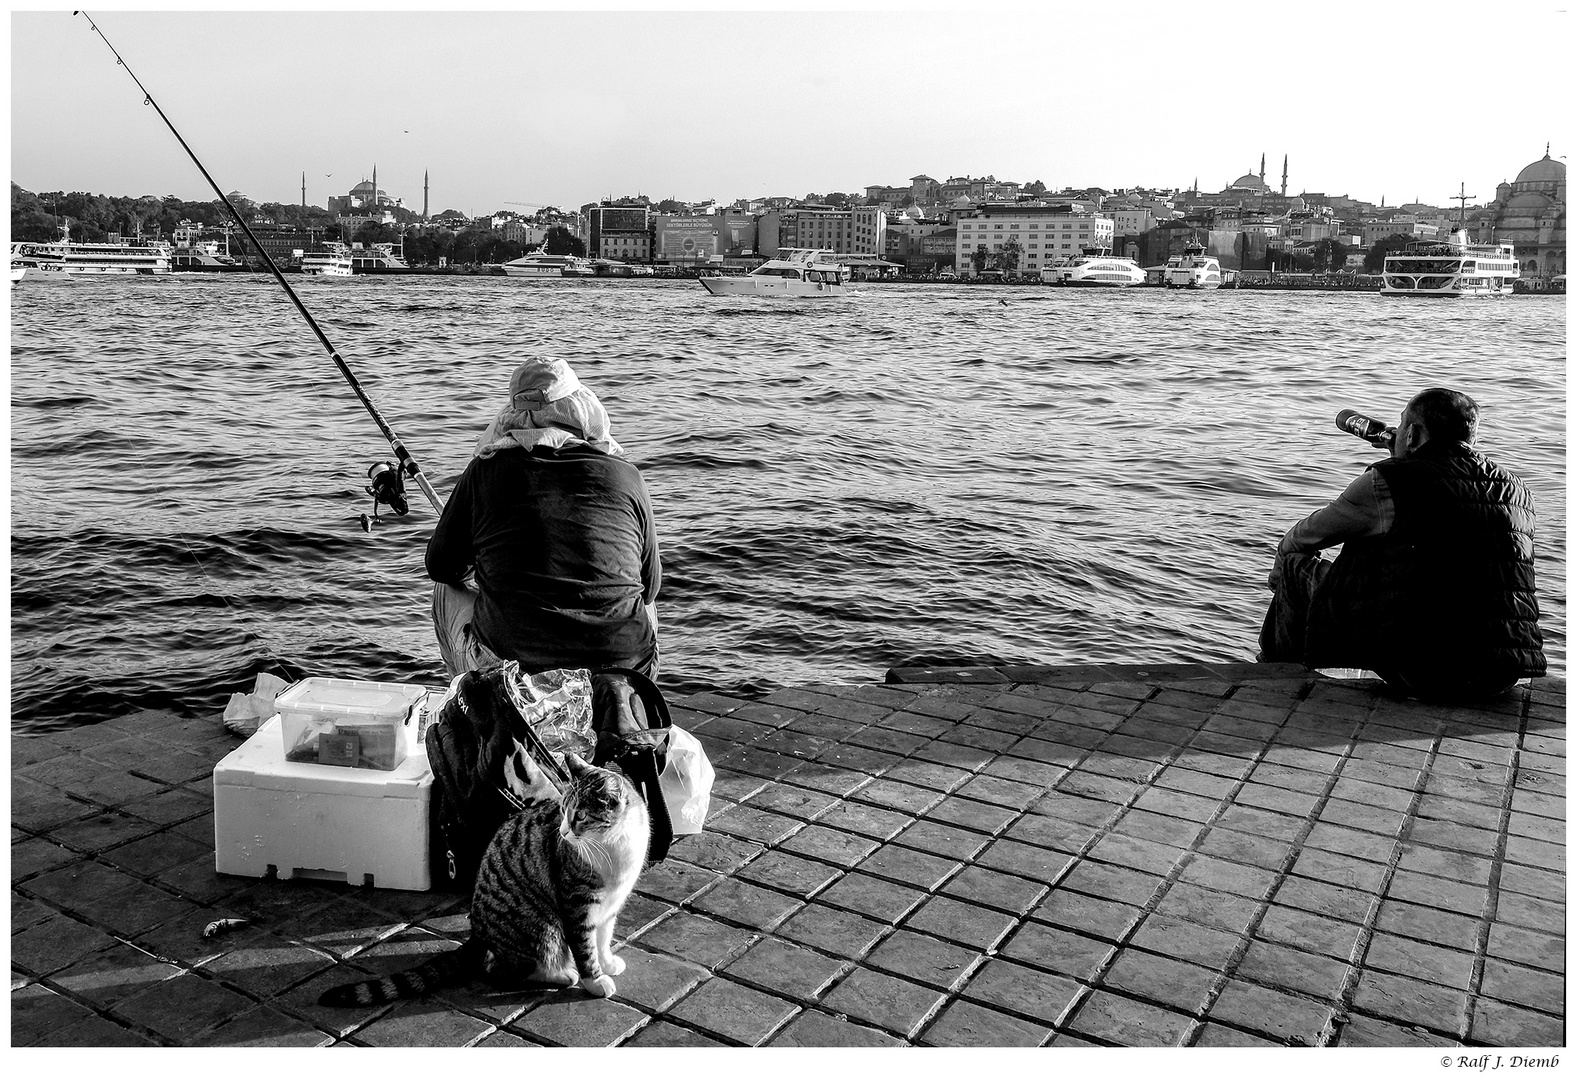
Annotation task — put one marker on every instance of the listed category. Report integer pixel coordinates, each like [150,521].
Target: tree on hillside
[1330,256]
[560,241]
[1374,258]
[979,257]
[1007,259]
[374,232]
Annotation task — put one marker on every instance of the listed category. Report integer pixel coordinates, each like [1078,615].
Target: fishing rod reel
[387,489]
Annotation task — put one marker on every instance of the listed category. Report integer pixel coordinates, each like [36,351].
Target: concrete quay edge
[1096,855]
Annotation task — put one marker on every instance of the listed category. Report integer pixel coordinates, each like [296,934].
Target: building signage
[687,238]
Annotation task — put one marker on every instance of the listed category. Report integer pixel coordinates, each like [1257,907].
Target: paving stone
[1054,949]
[1304,930]
[873,896]
[569,1018]
[1345,871]
[1356,843]
[896,1005]
[1177,985]
[40,1016]
[928,774]
[1430,891]
[112,975]
[922,959]
[1458,812]
[1041,865]
[1207,907]
[1260,851]
[1105,919]
[910,867]
[944,840]
[734,1012]
[1281,1016]
[54,943]
[1292,969]
[964,1023]
[1394,997]
[1247,881]
[660,1033]
[342,927]
[990,888]
[1095,786]
[1136,853]
[723,854]
[1066,836]
[1122,1021]
[675,881]
[1221,1035]
[1115,882]
[1367,1031]
[1526,911]
[751,824]
[785,970]
[819,1029]
[970,814]
[1453,865]
[1527,947]
[1195,782]
[788,873]
[1256,821]
[265,964]
[866,820]
[1424,923]
[1279,800]
[791,800]
[750,905]
[906,799]
[1352,815]
[699,940]
[181,1008]
[1361,791]
[830,930]
[1022,990]
[416,1023]
[301,1001]
[1418,960]
[34,856]
[1496,1023]
[954,755]
[1177,804]
[637,913]
[1533,882]
[97,1032]
[963,923]
[1186,941]
[1524,986]
[830,845]
[1454,837]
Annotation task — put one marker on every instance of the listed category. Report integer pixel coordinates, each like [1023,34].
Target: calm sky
[1400,100]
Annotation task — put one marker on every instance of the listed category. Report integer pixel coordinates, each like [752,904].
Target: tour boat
[203,255]
[17,274]
[1451,267]
[1193,269]
[539,263]
[1095,268]
[333,262]
[794,272]
[378,259]
[65,256]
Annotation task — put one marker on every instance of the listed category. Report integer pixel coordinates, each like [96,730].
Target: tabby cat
[548,890]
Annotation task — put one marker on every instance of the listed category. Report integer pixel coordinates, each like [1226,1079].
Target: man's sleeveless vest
[1446,597]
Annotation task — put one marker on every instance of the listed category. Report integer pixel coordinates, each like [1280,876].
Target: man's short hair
[1446,414]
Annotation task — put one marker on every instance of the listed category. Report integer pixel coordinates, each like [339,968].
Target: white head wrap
[548,406]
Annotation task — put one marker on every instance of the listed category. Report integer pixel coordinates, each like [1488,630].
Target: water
[910,473]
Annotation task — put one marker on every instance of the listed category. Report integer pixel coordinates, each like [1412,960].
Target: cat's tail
[444,970]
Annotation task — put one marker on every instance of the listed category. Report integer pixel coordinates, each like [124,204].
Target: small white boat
[1193,269]
[17,274]
[795,272]
[1451,267]
[1095,268]
[333,262]
[538,264]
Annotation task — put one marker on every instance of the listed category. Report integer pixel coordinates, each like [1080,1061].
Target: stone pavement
[1140,855]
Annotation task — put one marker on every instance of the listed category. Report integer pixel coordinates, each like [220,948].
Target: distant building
[1375,231]
[858,230]
[704,238]
[1530,213]
[1044,235]
[620,232]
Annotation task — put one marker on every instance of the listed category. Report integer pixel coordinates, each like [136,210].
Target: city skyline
[563,108]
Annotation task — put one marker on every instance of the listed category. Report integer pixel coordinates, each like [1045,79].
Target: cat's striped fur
[547,893]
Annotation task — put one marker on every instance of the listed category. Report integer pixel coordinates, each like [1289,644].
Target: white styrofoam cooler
[362,826]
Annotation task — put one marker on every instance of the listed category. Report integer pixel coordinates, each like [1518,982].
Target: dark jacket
[565,555]
[1444,602]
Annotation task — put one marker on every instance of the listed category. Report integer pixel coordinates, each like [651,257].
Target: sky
[1399,100]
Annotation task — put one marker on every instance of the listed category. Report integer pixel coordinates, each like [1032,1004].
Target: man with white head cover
[556,526]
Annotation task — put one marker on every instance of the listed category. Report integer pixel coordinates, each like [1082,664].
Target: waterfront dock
[1179,855]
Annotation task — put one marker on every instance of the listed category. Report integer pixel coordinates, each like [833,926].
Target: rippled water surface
[913,472]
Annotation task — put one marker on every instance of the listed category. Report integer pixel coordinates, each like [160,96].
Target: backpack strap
[635,756]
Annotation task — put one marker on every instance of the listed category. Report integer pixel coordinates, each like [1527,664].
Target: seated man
[557,526]
[1433,589]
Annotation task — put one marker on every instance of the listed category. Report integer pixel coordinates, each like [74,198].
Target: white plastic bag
[245,713]
[686,781]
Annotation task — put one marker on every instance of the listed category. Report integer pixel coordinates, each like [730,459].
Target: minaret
[1283,175]
[375,185]
[1262,167]
[303,191]
[424,195]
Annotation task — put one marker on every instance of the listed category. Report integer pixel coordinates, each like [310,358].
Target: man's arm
[449,552]
[1364,509]
[651,561]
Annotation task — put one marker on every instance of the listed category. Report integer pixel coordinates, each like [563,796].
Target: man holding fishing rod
[1433,589]
[556,525]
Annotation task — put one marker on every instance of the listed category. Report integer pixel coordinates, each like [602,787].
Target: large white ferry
[64,256]
[378,259]
[1095,268]
[795,272]
[333,261]
[539,263]
[1450,267]
[1193,269]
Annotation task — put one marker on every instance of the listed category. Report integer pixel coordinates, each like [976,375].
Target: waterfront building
[1530,212]
[857,230]
[1044,235]
[1401,225]
[620,231]
[696,239]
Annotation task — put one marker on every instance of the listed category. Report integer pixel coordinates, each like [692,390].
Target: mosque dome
[1248,180]
[1544,171]
[1528,202]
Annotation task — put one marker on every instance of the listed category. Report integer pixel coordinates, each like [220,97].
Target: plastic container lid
[350,700]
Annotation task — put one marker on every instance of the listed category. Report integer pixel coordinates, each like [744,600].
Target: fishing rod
[385,477]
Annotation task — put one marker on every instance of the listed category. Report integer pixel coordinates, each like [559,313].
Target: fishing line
[407,463]
[273,653]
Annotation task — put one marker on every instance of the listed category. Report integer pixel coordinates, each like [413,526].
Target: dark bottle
[1365,427]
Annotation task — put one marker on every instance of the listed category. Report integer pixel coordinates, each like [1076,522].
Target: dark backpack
[473,748]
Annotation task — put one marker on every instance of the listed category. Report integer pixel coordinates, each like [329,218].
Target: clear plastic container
[348,722]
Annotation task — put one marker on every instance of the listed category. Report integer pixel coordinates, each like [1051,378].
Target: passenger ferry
[1450,267]
[1193,269]
[538,264]
[378,259]
[794,272]
[203,255]
[63,256]
[333,262]
[1095,268]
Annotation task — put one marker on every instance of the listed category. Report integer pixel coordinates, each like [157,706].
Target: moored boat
[82,259]
[1193,269]
[794,272]
[539,263]
[1451,267]
[1095,268]
[378,259]
[333,261]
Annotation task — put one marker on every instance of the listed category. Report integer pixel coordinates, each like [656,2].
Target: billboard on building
[686,238]
[623,219]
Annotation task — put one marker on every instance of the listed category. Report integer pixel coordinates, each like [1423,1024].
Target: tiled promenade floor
[1202,856]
